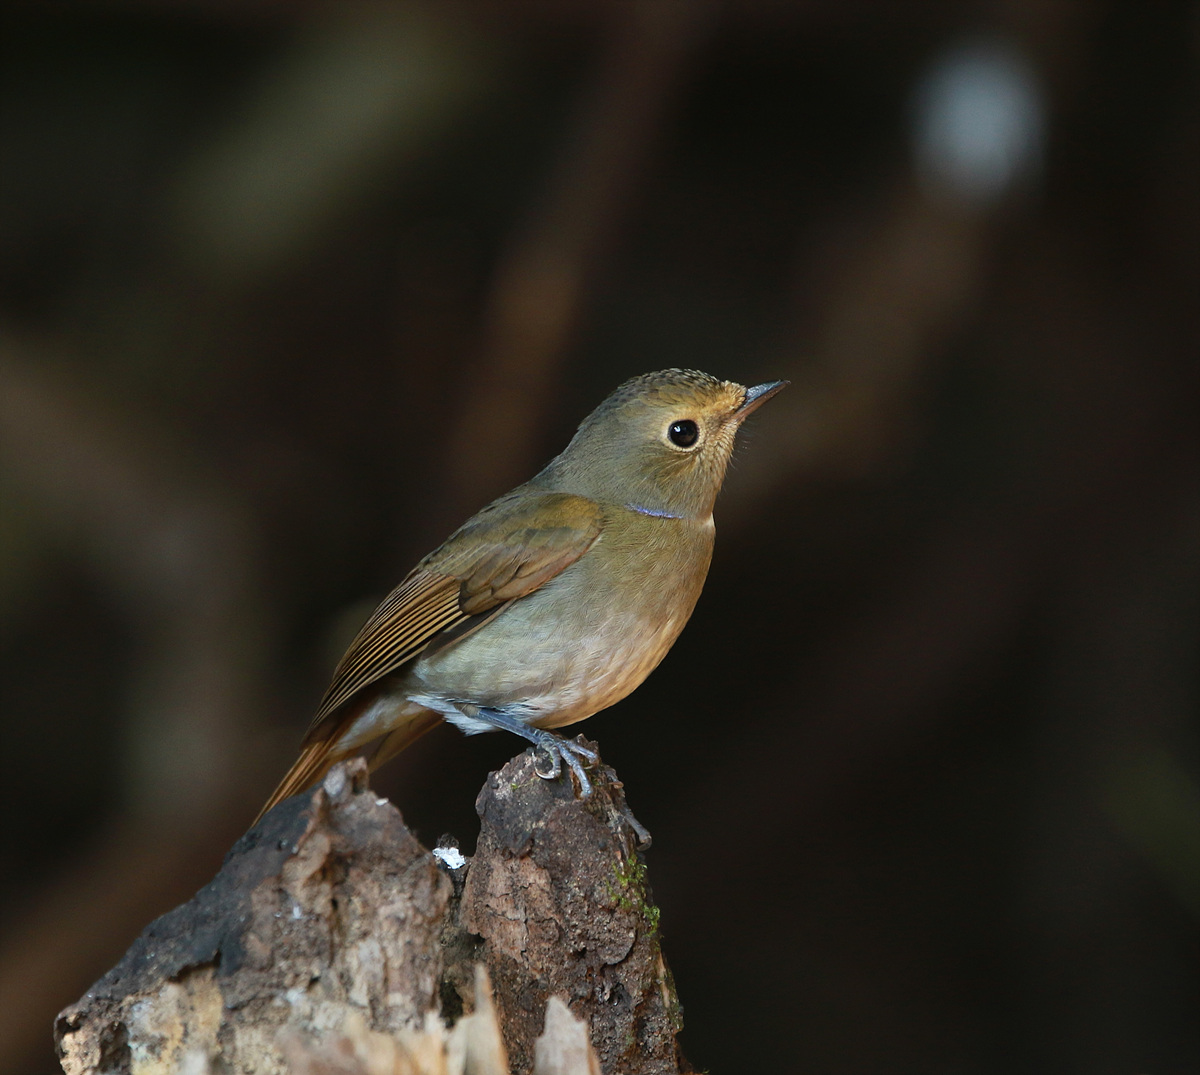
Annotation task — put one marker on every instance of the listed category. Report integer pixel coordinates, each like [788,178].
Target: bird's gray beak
[757,396]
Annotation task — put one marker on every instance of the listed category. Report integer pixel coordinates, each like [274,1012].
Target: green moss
[629,893]
[517,785]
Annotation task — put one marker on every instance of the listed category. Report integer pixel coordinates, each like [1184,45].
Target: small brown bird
[554,601]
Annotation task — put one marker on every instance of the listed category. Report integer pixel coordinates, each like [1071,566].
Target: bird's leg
[554,749]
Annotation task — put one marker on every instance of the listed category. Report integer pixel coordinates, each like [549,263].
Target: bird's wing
[506,551]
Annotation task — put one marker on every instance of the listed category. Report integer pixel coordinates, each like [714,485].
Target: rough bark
[332,941]
[558,894]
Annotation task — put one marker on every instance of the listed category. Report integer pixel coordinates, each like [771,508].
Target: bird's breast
[586,638]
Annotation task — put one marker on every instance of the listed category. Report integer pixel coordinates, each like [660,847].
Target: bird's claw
[547,762]
[551,751]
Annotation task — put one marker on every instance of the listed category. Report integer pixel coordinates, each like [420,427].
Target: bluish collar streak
[651,511]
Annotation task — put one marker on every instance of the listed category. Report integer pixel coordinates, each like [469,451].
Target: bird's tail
[320,755]
[314,762]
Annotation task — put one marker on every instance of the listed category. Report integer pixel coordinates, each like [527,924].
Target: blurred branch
[116,492]
[911,283]
[885,315]
[355,101]
[541,287]
[177,546]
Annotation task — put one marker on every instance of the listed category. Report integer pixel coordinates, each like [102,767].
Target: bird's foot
[550,751]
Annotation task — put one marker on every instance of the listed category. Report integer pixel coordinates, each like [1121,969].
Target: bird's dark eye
[683,433]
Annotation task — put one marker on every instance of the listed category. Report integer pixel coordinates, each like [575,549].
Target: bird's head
[660,442]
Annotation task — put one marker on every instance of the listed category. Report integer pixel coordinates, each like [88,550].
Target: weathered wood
[558,894]
[332,941]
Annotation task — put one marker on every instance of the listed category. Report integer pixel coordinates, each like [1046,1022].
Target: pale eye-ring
[683,433]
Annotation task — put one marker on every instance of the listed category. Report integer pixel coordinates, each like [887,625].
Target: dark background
[288,291]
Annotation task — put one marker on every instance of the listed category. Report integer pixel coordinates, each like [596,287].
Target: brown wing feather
[314,760]
[419,608]
[505,552]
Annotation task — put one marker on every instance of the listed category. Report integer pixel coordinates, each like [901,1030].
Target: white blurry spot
[451,856]
[195,1063]
[296,912]
[381,802]
[979,123]
[335,782]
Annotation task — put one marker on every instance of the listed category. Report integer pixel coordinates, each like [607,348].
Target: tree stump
[332,941]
